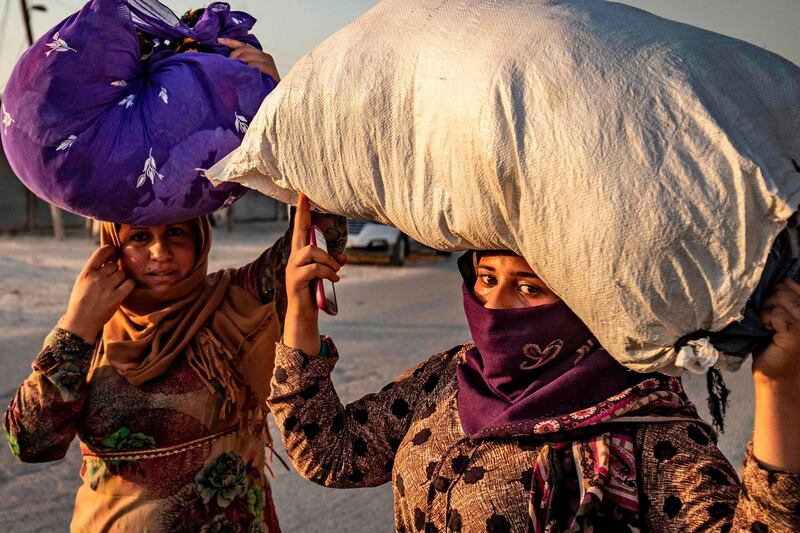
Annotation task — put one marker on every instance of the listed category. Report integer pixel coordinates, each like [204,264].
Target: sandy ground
[390,318]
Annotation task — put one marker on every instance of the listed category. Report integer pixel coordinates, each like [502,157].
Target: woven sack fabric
[642,167]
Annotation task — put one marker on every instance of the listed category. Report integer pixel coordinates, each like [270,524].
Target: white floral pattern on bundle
[58,45]
[66,143]
[127,101]
[241,123]
[150,171]
[7,120]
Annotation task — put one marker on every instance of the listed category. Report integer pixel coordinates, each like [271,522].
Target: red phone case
[319,286]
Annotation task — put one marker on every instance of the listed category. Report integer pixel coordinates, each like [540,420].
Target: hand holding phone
[310,272]
[324,291]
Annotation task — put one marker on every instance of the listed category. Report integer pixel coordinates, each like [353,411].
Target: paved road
[390,319]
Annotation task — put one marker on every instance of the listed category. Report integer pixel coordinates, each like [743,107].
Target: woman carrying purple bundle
[533,426]
[115,112]
[161,369]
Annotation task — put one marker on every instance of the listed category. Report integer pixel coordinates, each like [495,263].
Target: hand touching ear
[251,56]
[99,290]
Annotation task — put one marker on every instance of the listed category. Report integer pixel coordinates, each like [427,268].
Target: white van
[377,239]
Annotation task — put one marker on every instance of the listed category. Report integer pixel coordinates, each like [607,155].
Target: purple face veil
[530,364]
[538,372]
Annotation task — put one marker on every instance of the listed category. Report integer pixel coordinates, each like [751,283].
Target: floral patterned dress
[156,457]
[410,434]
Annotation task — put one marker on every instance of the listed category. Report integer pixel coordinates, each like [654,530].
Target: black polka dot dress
[409,434]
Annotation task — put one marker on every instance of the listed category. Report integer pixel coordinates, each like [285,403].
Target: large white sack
[643,167]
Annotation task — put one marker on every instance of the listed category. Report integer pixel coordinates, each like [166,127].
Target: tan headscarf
[215,324]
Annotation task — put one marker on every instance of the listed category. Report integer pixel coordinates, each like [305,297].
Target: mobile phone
[323,288]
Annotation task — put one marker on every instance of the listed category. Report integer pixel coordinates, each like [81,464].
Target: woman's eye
[140,236]
[175,232]
[529,289]
[487,280]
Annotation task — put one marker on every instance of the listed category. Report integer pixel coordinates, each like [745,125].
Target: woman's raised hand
[251,56]
[776,372]
[780,361]
[99,290]
[306,264]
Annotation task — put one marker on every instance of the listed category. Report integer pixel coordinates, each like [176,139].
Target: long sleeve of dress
[266,276]
[336,445]
[263,277]
[41,420]
[690,486]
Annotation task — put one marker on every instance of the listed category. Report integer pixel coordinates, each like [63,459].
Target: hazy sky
[290,28]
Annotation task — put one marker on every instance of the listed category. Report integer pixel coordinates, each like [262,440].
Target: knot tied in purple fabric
[98,126]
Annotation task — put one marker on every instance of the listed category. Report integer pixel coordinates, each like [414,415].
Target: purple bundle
[95,123]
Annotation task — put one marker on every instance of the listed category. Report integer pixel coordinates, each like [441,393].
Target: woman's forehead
[137,227]
[505,262]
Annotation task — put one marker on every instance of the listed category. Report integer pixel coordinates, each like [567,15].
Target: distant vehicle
[377,239]
[380,240]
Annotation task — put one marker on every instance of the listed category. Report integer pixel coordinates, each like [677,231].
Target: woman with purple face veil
[162,370]
[533,426]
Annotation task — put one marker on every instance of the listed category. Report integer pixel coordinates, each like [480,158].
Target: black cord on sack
[717,398]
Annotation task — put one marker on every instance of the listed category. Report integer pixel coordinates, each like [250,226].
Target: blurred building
[20,210]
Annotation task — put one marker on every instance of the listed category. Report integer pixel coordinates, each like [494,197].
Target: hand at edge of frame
[779,363]
[776,375]
[252,57]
